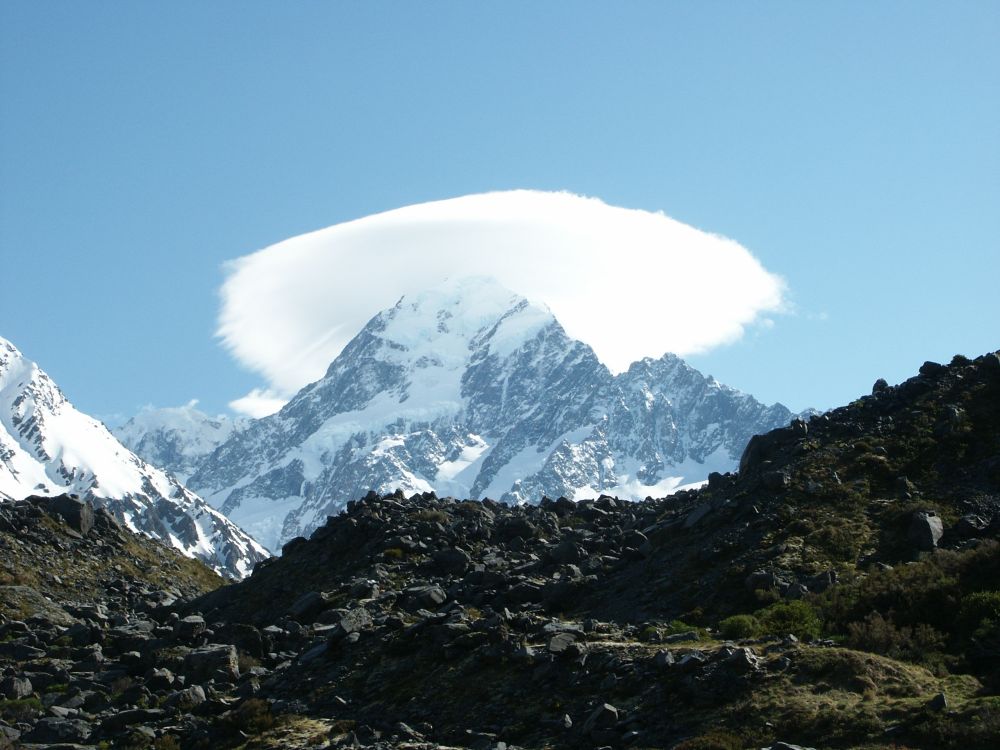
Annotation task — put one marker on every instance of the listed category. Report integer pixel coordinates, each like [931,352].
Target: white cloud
[259,403]
[630,283]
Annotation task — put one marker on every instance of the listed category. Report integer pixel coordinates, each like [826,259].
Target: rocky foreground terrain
[840,591]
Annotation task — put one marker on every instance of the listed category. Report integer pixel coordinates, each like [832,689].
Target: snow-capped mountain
[177,439]
[48,447]
[473,391]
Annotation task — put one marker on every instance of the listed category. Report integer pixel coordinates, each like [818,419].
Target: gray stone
[190,627]
[663,659]
[204,662]
[697,514]
[602,717]
[315,652]
[78,516]
[15,688]
[560,642]
[308,605]
[349,621]
[428,597]
[54,730]
[925,530]
[452,560]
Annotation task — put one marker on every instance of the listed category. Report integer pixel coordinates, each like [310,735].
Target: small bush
[253,716]
[980,606]
[21,709]
[796,617]
[880,635]
[739,626]
[432,516]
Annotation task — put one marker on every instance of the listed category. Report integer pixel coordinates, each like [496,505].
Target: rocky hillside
[471,390]
[839,592]
[49,447]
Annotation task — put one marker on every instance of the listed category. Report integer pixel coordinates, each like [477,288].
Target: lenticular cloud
[630,283]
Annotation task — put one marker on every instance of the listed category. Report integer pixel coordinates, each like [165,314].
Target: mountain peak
[461,312]
[47,447]
[470,389]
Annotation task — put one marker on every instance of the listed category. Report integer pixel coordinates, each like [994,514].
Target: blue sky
[854,148]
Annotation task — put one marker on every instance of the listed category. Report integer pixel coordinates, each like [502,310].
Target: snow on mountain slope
[471,390]
[48,447]
[177,439]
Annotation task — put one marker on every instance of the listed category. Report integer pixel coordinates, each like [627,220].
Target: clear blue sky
[853,147]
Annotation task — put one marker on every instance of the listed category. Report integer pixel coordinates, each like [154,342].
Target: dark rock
[938,703]
[122,719]
[308,605]
[932,369]
[697,515]
[15,688]
[604,716]
[425,597]
[79,516]
[452,560]
[53,730]
[560,642]
[349,621]
[775,480]
[203,663]
[663,659]
[189,628]
[187,699]
[925,530]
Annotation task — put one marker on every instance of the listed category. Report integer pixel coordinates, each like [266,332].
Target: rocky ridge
[838,592]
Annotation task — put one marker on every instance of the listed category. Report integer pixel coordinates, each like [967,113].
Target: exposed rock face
[47,447]
[472,391]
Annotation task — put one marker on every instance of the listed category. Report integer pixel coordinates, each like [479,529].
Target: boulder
[205,662]
[425,597]
[190,627]
[925,530]
[79,516]
[308,605]
[604,716]
[15,688]
[53,730]
[349,621]
[452,560]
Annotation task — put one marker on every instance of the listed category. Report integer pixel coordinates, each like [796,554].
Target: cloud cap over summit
[630,283]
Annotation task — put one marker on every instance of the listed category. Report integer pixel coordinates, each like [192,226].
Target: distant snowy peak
[48,447]
[177,439]
[471,390]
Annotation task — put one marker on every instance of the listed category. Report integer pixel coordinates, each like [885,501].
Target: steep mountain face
[47,447]
[177,439]
[471,390]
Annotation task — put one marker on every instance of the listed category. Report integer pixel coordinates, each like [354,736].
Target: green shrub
[980,606]
[739,626]
[253,716]
[796,617]
[880,635]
